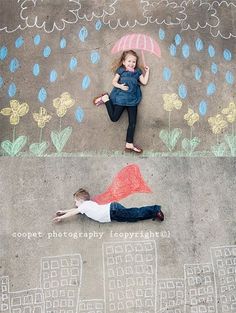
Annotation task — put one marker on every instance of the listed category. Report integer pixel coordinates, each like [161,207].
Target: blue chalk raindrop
[211,51]
[198,73]
[73,63]
[172,49]
[62,43]
[14,65]
[83,34]
[182,91]
[229,77]
[162,34]
[85,82]
[227,55]
[95,57]
[214,68]
[53,76]
[211,89]
[42,95]
[12,90]
[19,42]
[166,73]
[202,107]
[199,45]
[3,53]
[185,51]
[98,25]
[36,69]
[37,40]
[177,39]
[79,114]
[1,82]
[46,51]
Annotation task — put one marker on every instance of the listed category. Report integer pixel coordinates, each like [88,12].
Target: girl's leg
[132,115]
[121,214]
[114,111]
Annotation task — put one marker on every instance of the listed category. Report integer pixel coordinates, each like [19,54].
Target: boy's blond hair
[82,194]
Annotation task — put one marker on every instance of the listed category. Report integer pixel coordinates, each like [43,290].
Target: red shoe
[160,216]
[98,100]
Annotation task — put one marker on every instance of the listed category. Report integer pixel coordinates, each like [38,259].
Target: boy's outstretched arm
[68,213]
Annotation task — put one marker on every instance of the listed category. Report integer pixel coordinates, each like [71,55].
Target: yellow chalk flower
[171,101]
[63,103]
[42,117]
[191,117]
[217,123]
[15,111]
[230,112]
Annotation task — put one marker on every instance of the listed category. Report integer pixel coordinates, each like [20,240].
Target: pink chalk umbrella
[137,42]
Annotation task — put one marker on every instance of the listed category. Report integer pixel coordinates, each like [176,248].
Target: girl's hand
[124,87]
[57,219]
[146,68]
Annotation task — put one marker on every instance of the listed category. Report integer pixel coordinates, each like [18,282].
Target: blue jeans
[121,214]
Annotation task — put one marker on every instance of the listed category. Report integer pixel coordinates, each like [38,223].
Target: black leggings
[115,111]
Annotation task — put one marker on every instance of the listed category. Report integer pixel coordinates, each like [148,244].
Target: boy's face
[130,61]
[78,202]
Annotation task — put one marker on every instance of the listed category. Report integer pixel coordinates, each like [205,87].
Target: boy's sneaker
[160,216]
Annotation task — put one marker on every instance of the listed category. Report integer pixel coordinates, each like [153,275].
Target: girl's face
[130,61]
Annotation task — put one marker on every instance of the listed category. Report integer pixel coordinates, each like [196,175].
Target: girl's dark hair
[82,194]
[119,62]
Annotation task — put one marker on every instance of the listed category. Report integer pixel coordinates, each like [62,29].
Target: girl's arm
[144,78]
[69,213]
[117,85]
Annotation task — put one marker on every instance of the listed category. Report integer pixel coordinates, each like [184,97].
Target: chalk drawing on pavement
[164,12]
[93,9]
[130,276]
[200,288]
[171,295]
[225,27]
[130,281]
[60,279]
[35,13]
[133,18]
[11,21]
[92,305]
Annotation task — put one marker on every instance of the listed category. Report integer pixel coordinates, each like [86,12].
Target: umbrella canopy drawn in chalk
[137,42]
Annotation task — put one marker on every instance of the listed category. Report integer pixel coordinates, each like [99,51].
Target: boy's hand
[124,87]
[60,213]
[57,219]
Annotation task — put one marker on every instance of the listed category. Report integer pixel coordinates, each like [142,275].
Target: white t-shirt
[97,212]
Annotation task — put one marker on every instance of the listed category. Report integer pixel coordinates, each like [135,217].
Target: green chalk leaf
[13,148]
[219,149]
[190,145]
[170,138]
[59,139]
[231,141]
[38,149]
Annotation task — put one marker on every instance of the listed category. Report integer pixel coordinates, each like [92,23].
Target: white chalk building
[27,301]
[200,293]
[171,294]
[130,276]
[91,306]
[4,295]
[224,263]
[61,281]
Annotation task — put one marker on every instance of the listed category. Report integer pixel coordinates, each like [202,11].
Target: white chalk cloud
[94,8]
[226,13]
[48,14]
[169,13]
[10,19]
[199,14]
[127,13]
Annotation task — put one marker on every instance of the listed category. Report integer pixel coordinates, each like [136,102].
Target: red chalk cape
[129,180]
